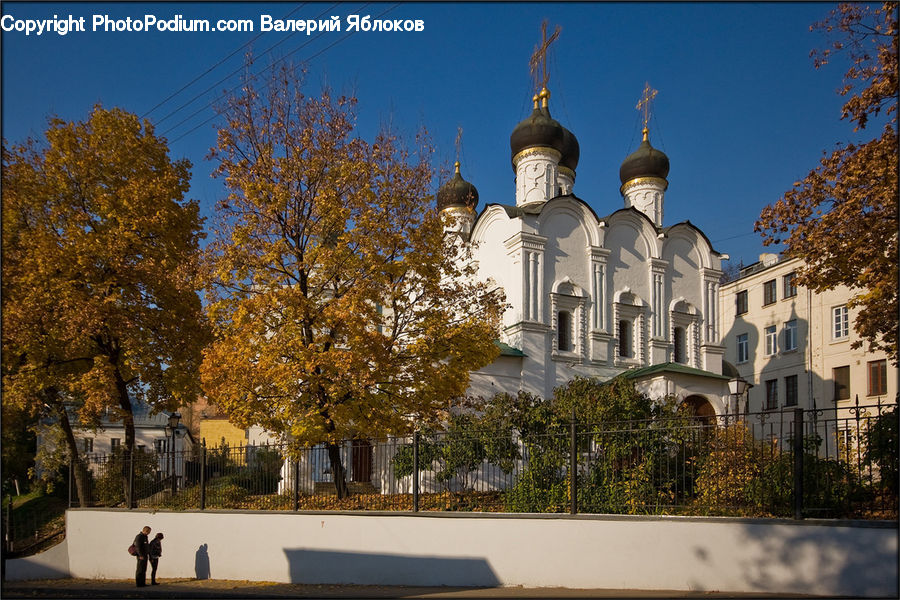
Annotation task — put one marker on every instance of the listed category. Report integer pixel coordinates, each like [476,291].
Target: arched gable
[574,208]
[493,219]
[706,257]
[640,224]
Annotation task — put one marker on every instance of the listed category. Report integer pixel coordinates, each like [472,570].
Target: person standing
[142,546]
[155,553]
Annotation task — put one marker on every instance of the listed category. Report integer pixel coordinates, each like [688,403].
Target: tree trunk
[127,423]
[337,470]
[80,474]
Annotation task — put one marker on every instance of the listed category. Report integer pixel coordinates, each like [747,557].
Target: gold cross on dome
[644,104]
[458,142]
[538,61]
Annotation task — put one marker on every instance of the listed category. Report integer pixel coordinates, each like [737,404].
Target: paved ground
[212,588]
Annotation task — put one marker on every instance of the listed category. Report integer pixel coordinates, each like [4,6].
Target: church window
[680,340]
[564,331]
[625,339]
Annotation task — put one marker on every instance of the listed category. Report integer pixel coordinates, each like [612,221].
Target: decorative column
[599,257]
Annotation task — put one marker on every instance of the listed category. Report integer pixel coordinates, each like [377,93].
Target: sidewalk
[215,588]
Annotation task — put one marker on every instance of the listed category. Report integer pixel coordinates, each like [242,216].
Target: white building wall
[686,554]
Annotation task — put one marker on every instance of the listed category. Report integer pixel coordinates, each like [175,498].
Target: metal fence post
[573,466]
[130,498]
[295,484]
[416,471]
[798,463]
[9,525]
[203,474]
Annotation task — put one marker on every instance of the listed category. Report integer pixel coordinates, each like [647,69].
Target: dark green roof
[507,350]
[671,368]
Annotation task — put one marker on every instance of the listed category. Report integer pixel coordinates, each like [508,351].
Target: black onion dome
[646,161]
[538,130]
[457,192]
[571,151]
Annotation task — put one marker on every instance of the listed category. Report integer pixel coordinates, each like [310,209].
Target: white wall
[659,553]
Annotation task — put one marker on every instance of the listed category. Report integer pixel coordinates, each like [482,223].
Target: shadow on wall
[314,566]
[845,561]
[201,562]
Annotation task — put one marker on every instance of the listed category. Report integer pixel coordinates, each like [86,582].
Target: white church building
[593,295]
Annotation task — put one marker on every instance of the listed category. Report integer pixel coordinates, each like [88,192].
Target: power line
[190,131]
[230,75]
[206,72]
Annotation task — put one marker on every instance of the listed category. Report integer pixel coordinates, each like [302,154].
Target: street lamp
[737,386]
[172,426]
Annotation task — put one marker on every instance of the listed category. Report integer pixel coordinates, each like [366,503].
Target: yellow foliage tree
[100,257]
[340,308]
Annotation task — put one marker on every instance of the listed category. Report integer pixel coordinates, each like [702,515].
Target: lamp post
[737,386]
[174,418]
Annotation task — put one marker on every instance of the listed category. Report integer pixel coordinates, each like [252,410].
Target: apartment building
[794,345]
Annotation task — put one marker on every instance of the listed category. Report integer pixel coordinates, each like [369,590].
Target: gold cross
[538,62]
[458,142]
[644,104]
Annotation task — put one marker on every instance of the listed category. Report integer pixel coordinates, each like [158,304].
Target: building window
[771,340]
[789,285]
[625,339]
[878,378]
[115,444]
[841,377]
[87,444]
[770,294]
[841,322]
[771,394]
[790,390]
[743,348]
[679,338]
[741,300]
[160,446]
[790,335]
[564,331]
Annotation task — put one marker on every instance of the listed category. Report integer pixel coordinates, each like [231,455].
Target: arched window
[564,331]
[625,339]
[679,339]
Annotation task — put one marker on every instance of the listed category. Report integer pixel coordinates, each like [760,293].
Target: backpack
[132,550]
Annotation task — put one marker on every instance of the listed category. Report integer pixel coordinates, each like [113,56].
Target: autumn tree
[842,218]
[340,309]
[100,251]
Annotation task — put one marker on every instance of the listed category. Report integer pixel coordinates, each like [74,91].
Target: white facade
[588,295]
[794,345]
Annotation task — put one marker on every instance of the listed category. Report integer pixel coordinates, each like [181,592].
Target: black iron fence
[835,462]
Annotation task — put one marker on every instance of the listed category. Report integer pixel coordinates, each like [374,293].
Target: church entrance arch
[700,408]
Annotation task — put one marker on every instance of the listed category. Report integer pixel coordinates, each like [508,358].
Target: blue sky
[741,112]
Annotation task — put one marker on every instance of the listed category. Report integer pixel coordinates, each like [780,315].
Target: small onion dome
[571,151]
[538,129]
[457,192]
[646,161]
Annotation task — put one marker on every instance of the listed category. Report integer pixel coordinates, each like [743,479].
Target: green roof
[671,368]
[507,350]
